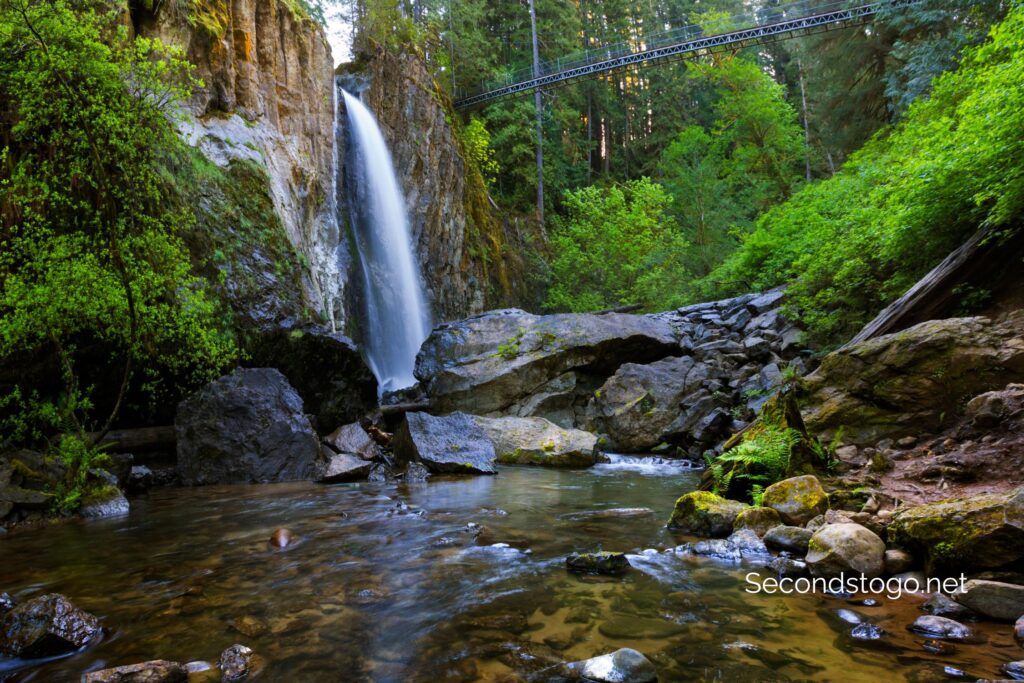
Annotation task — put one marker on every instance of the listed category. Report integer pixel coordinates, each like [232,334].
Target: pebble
[1015,670]
[281,538]
[866,631]
[941,627]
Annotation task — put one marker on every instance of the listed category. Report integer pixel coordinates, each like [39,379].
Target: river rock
[157,671]
[787,567]
[845,548]
[597,563]
[886,386]
[246,427]
[942,606]
[488,362]
[236,662]
[866,631]
[942,628]
[759,520]
[609,513]
[898,561]
[46,626]
[281,538]
[324,367]
[992,599]
[104,502]
[985,532]
[793,539]
[453,444]
[797,499]
[637,404]
[1018,631]
[748,543]
[702,513]
[536,441]
[622,666]
[720,549]
[353,439]
[140,479]
[1014,670]
[6,603]
[341,467]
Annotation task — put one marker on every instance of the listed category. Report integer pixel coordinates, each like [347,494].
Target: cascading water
[397,318]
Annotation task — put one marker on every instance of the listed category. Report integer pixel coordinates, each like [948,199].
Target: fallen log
[402,408]
[621,309]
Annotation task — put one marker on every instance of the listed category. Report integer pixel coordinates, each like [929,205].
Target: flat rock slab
[993,599]
[157,671]
[452,444]
[536,441]
[622,666]
[342,467]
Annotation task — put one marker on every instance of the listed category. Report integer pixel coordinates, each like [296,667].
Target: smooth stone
[836,549]
[941,627]
[622,666]
[790,538]
[787,567]
[866,631]
[1018,631]
[281,538]
[157,671]
[1014,670]
[759,520]
[849,616]
[898,561]
[993,599]
[942,606]
[797,499]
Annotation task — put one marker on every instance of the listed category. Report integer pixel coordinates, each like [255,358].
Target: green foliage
[759,461]
[95,277]
[616,247]
[477,143]
[78,458]
[853,243]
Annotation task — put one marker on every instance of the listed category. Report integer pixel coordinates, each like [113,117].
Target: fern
[761,460]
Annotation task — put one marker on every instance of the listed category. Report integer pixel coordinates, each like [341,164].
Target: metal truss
[696,47]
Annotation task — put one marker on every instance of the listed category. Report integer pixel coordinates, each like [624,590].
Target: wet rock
[610,513]
[941,628]
[597,563]
[793,539]
[246,427]
[898,561]
[416,473]
[453,444]
[536,441]
[717,548]
[236,662]
[486,363]
[104,502]
[1018,631]
[967,534]
[353,439]
[140,479]
[632,628]
[157,671]
[845,548]
[759,520]
[46,626]
[748,543]
[942,606]
[341,467]
[1014,670]
[622,666]
[702,513]
[281,538]
[787,567]
[637,405]
[992,599]
[250,626]
[866,631]
[6,603]
[797,499]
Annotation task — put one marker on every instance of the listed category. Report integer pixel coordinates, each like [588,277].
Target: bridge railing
[764,16]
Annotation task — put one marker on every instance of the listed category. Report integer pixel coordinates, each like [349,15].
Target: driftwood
[978,262]
[621,309]
[140,440]
[401,408]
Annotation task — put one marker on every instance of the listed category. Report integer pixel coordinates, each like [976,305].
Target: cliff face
[471,259]
[266,102]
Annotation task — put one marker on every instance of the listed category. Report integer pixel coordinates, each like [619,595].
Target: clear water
[397,319]
[384,585]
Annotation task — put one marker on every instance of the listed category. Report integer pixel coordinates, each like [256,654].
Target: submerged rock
[281,538]
[866,631]
[941,628]
[246,427]
[341,467]
[46,626]
[536,441]
[157,671]
[793,539]
[453,444]
[622,666]
[797,499]
[992,599]
[835,549]
[702,513]
[610,513]
[981,532]
[602,562]
[237,662]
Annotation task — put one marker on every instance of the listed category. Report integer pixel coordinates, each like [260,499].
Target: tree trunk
[540,117]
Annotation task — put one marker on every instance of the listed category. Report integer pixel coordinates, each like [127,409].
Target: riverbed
[458,579]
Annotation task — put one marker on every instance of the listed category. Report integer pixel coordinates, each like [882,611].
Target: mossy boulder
[983,532]
[703,513]
[797,499]
[536,441]
[836,549]
[759,520]
[597,563]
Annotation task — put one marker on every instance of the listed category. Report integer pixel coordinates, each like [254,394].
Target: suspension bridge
[738,31]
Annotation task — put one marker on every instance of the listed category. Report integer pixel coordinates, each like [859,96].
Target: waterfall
[397,319]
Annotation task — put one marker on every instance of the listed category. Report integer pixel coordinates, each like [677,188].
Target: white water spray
[397,319]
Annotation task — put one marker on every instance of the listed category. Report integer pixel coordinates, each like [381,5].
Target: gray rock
[416,473]
[712,426]
[46,626]
[759,520]
[622,666]
[793,539]
[836,549]
[236,663]
[866,631]
[109,503]
[246,427]
[6,603]
[898,561]
[942,606]
[1018,631]
[1014,670]
[941,628]
[140,479]
[157,671]
[769,300]
[748,543]
[718,548]
[993,599]
[451,444]
[353,439]
[787,567]
[341,467]
[536,441]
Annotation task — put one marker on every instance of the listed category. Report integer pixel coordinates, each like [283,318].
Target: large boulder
[702,513]
[535,441]
[46,626]
[912,381]
[157,671]
[798,500]
[325,368]
[637,404]
[487,363]
[836,549]
[450,444]
[622,666]
[993,599]
[25,479]
[246,427]
[983,532]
